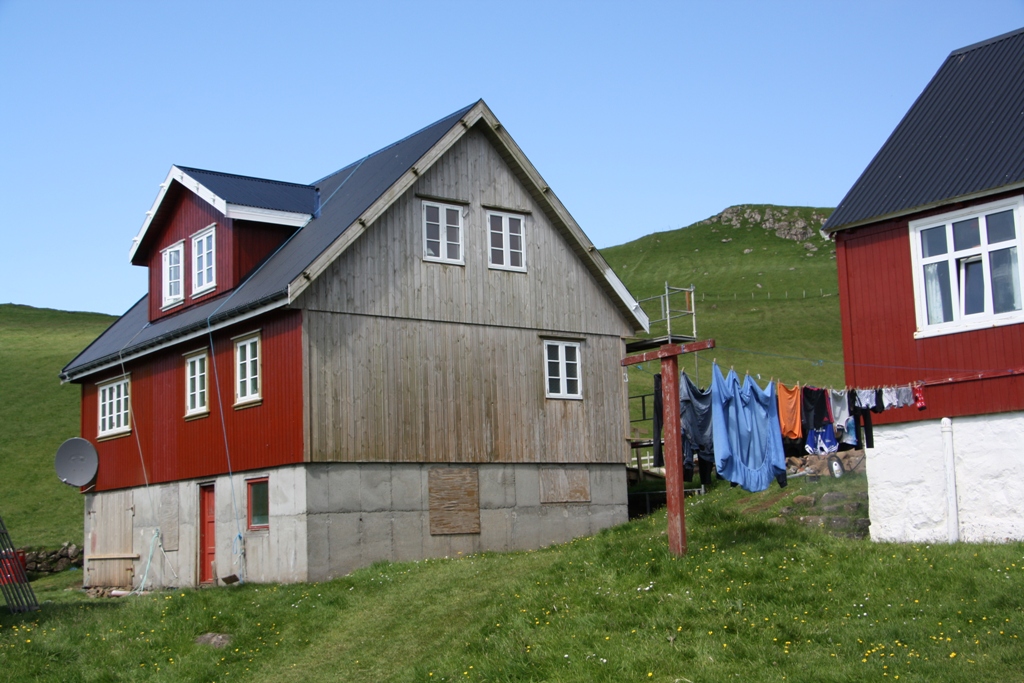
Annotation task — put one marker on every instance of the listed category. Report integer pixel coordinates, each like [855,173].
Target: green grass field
[752,601]
[37,414]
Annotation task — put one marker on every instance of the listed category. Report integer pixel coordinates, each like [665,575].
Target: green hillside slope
[766,290]
[37,413]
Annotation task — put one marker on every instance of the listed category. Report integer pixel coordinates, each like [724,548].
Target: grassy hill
[766,292]
[753,600]
[37,414]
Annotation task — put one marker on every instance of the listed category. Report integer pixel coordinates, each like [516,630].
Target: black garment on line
[814,412]
[862,418]
[695,425]
[879,402]
[659,457]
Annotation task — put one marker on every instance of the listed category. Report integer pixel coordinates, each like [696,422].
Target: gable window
[204,269]
[507,250]
[442,233]
[114,407]
[562,369]
[195,384]
[259,503]
[247,369]
[966,271]
[171,258]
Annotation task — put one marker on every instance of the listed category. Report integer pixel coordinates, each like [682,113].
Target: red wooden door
[207,533]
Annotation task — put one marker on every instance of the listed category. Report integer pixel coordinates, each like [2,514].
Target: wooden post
[668,355]
[673,456]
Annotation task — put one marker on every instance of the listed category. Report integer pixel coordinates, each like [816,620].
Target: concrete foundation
[967,487]
[328,519]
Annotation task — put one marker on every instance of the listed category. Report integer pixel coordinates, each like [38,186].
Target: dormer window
[172,289]
[204,269]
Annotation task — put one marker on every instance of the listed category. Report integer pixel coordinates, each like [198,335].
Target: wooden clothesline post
[668,355]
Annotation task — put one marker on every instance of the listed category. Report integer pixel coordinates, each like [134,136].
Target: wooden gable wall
[877,306]
[410,360]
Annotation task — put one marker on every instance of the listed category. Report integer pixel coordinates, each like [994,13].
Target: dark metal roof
[345,195]
[257,192]
[963,137]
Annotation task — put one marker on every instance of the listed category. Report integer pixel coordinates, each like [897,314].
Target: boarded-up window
[169,517]
[564,485]
[454,500]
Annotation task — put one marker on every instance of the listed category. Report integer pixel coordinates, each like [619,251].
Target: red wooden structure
[674,484]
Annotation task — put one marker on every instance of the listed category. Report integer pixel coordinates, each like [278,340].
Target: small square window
[171,258]
[562,369]
[507,248]
[247,370]
[259,503]
[195,384]
[204,261]
[114,407]
[442,233]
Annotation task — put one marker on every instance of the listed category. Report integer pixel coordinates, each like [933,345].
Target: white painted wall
[908,489]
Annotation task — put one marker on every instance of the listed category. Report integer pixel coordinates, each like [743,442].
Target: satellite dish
[76,462]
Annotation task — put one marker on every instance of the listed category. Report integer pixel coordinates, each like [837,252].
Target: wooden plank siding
[878,315]
[173,447]
[417,361]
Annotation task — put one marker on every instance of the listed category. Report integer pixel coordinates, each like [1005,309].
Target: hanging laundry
[747,435]
[822,441]
[865,398]
[879,402]
[849,435]
[904,396]
[815,411]
[658,418]
[789,411]
[695,421]
[919,397]
[840,409]
[890,398]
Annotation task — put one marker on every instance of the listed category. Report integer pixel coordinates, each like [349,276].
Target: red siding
[261,436]
[879,349]
[253,242]
[188,215]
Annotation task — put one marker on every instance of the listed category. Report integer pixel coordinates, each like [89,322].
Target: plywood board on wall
[454,500]
[564,485]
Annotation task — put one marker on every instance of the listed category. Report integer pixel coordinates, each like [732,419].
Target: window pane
[433,248]
[497,257]
[497,240]
[259,501]
[570,354]
[452,216]
[453,235]
[496,224]
[1005,278]
[554,385]
[433,214]
[938,299]
[966,234]
[972,272]
[933,241]
[515,226]
[572,387]
[453,252]
[554,371]
[1000,226]
[515,242]
[515,259]
[552,351]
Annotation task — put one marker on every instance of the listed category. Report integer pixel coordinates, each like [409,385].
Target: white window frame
[171,299]
[113,407]
[443,233]
[197,383]
[955,259]
[561,370]
[247,368]
[506,241]
[208,272]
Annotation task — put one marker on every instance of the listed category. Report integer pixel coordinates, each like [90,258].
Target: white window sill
[249,403]
[205,290]
[564,398]
[107,436]
[511,269]
[173,304]
[964,326]
[196,414]
[435,259]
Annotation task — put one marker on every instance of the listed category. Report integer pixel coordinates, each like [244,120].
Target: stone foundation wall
[53,561]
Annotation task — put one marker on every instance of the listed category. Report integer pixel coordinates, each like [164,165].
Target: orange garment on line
[789,411]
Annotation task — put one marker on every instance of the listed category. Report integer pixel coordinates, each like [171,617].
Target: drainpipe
[952,512]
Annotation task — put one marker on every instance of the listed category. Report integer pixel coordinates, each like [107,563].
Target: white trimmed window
[115,409]
[966,270]
[171,257]
[204,260]
[562,369]
[247,369]
[195,384]
[442,232]
[507,241]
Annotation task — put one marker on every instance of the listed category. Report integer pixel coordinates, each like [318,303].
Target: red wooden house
[928,243]
[414,356]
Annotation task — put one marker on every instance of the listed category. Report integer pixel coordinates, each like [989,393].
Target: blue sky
[642,116]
